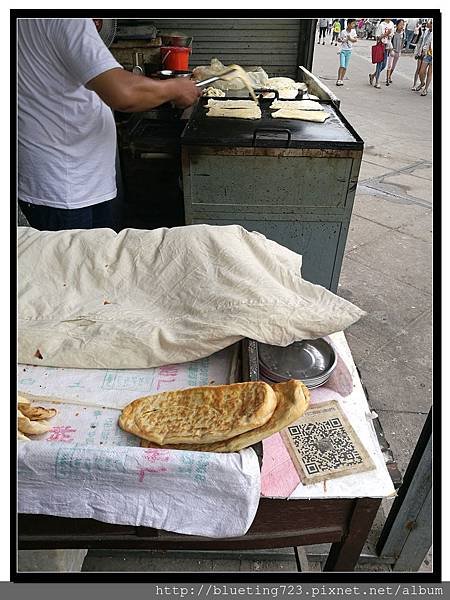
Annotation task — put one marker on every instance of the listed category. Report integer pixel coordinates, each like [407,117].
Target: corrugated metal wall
[270,43]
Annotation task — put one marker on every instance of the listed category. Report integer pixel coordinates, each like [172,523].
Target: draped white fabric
[138,299]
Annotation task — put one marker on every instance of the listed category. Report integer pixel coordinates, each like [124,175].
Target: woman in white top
[384,34]
[394,54]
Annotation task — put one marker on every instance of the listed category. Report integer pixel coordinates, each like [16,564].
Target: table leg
[344,555]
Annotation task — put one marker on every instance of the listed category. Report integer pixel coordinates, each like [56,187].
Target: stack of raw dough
[213,92]
[224,418]
[31,419]
[234,109]
[304,110]
[286,87]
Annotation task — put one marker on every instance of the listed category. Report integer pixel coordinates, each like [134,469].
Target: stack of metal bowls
[311,361]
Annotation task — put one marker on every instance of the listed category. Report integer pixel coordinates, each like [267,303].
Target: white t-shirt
[344,38]
[66,134]
[385,31]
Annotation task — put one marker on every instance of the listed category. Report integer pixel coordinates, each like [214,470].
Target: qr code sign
[324,446]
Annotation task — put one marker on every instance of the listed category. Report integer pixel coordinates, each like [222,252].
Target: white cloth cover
[138,299]
[196,493]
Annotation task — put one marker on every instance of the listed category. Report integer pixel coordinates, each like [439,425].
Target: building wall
[277,45]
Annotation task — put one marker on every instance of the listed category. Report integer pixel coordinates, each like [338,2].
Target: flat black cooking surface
[268,132]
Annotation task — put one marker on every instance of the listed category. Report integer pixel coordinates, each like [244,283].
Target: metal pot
[181,41]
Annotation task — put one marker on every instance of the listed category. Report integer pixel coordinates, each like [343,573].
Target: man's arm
[127,92]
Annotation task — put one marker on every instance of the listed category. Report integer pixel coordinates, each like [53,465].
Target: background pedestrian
[425,51]
[336,31]
[329,25]
[347,38]
[384,34]
[409,32]
[323,24]
[394,54]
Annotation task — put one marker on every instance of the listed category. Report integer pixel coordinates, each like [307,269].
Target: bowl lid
[305,360]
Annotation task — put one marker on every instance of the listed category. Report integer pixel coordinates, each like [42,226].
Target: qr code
[324,446]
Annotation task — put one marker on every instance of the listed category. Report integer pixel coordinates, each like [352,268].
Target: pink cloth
[279,477]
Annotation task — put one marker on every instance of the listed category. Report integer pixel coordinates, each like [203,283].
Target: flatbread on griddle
[200,415]
[317,116]
[295,105]
[292,401]
[231,104]
[253,112]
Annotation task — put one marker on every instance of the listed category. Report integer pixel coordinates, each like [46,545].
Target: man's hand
[128,92]
[186,92]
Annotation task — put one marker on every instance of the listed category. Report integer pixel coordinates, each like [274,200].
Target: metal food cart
[293,182]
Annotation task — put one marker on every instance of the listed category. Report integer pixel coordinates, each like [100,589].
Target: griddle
[268,132]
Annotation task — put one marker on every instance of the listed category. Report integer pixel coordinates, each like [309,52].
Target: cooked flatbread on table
[200,415]
[292,401]
[36,413]
[27,426]
[32,419]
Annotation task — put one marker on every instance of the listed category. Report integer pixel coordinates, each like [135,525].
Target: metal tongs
[215,78]
[225,74]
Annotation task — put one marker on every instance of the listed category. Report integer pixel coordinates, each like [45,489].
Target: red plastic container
[175,58]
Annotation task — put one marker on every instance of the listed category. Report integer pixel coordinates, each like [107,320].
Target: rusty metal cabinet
[292,181]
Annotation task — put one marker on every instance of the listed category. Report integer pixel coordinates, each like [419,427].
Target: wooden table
[278,523]
[343,522]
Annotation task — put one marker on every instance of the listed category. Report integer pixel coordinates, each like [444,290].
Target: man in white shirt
[68,82]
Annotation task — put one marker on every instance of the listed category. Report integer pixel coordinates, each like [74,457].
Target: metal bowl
[311,361]
[168,74]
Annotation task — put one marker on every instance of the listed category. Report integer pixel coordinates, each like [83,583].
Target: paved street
[387,265]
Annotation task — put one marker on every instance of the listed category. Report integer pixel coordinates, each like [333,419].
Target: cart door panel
[272,184]
[315,241]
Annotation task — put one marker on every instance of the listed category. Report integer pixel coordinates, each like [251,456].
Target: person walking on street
[424,57]
[323,24]
[394,55]
[360,28]
[329,25]
[419,60]
[336,32]
[384,34]
[347,38]
[409,32]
